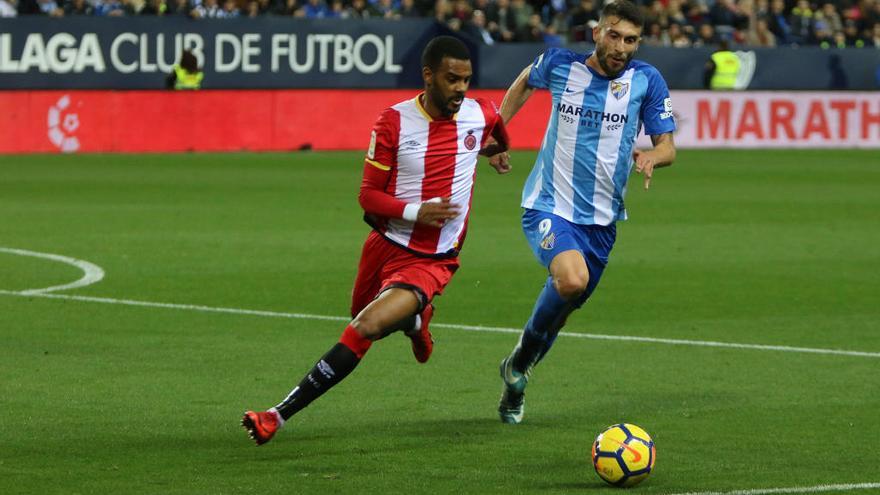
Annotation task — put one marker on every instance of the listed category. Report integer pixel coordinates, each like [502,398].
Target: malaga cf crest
[619,89]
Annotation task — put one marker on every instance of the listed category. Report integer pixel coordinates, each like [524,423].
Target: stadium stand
[671,23]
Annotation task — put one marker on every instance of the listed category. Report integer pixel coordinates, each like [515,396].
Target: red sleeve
[494,124]
[380,165]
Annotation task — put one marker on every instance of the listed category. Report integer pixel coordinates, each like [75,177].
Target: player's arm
[500,141]
[662,155]
[375,201]
[517,95]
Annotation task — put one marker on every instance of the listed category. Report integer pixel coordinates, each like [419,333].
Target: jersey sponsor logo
[636,456]
[470,140]
[371,152]
[666,115]
[591,114]
[619,89]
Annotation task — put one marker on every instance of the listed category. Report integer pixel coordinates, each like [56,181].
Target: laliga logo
[62,125]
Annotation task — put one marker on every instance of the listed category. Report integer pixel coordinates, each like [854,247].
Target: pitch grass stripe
[470,328]
[91,273]
[805,489]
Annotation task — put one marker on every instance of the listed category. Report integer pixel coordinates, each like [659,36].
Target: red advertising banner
[777,119]
[280,120]
[254,120]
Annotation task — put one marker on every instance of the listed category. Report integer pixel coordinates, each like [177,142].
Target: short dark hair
[625,10]
[444,46]
[188,62]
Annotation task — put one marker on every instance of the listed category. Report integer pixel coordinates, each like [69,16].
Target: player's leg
[390,307]
[340,360]
[556,244]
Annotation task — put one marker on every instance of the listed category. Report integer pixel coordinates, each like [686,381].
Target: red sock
[358,344]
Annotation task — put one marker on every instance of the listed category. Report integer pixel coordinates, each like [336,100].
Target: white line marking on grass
[470,328]
[804,489]
[92,273]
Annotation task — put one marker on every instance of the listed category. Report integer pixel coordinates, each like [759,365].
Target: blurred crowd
[675,23]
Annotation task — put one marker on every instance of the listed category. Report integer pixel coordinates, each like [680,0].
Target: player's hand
[500,162]
[437,211]
[645,165]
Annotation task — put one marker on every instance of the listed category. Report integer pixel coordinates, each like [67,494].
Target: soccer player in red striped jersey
[416,194]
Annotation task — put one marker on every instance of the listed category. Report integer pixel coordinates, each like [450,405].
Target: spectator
[677,36]
[286,8]
[208,9]
[229,10]
[252,9]
[875,36]
[697,13]
[831,16]
[178,7]
[337,10]
[154,7]
[522,12]
[408,8]
[761,35]
[802,28]
[653,35]
[360,9]
[461,10]
[8,8]
[706,36]
[533,31]
[551,37]
[78,7]
[583,19]
[779,22]
[476,28]
[851,34]
[114,8]
[502,23]
[674,13]
[314,9]
[50,8]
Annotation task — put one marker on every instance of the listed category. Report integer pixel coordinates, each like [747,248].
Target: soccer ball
[624,454]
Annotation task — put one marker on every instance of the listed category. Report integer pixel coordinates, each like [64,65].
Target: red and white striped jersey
[424,159]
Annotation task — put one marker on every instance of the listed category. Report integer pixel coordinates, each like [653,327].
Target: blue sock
[548,317]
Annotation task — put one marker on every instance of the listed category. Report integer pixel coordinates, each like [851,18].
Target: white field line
[804,489]
[91,273]
[470,328]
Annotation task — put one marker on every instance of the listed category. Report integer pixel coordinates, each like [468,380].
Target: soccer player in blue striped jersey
[575,193]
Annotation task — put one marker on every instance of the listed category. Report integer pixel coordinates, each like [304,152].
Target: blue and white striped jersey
[586,156]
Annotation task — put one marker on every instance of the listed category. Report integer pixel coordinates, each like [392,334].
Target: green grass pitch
[753,247]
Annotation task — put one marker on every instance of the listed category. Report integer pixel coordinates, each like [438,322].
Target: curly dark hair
[626,10]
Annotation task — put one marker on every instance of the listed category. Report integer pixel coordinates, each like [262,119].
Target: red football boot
[261,426]
[422,343]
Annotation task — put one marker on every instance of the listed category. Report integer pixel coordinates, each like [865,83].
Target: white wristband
[411,211]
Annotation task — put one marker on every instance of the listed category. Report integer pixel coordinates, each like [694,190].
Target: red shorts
[384,264]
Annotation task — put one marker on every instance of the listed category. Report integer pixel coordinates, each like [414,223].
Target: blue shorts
[548,235]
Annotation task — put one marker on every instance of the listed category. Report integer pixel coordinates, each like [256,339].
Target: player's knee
[570,286]
[367,326]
